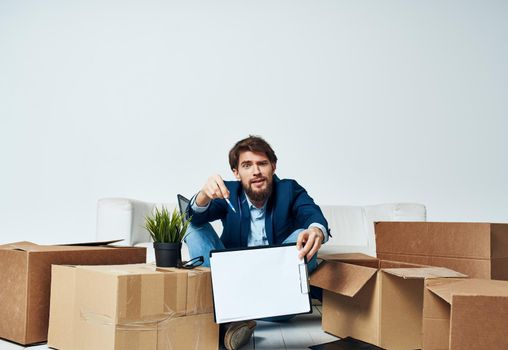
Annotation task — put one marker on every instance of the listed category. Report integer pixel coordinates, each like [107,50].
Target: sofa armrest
[352,227]
[396,212]
[122,218]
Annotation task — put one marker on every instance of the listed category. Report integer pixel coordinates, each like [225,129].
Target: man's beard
[260,196]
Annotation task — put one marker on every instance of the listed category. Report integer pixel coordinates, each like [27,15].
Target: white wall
[364,102]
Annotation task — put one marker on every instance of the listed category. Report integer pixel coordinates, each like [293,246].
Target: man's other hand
[309,241]
[213,188]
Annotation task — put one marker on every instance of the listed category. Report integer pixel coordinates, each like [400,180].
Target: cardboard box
[465,314]
[131,307]
[26,279]
[376,301]
[479,250]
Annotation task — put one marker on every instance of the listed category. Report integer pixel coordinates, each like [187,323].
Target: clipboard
[258,282]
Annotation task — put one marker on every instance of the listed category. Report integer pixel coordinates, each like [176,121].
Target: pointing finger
[223,190]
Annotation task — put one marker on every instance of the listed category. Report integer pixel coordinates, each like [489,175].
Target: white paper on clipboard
[259,282]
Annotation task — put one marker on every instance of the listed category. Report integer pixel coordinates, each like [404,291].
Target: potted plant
[167,231]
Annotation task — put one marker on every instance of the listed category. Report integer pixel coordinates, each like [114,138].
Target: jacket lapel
[269,222]
[245,220]
[269,211]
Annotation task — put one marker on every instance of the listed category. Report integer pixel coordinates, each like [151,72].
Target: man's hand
[213,188]
[309,241]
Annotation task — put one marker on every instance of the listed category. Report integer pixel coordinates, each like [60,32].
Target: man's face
[255,172]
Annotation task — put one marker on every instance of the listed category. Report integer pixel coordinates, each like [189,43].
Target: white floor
[299,333]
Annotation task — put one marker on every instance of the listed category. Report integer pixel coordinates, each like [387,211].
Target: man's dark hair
[253,144]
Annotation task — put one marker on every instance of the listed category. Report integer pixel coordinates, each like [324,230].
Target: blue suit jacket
[288,208]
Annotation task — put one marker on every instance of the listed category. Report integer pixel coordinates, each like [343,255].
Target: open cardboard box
[131,307]
[479,250]
[465,314]
[26,281]
[373,300]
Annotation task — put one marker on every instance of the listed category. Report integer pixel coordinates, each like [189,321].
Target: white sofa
[352,227]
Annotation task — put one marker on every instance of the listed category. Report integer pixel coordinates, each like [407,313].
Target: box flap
[23,245]
[478,322]
[353,258]
[392,264]
[91,244]
[423,272]
[341,278]
[444,291]
[33,247]
[469,287]
[345,257]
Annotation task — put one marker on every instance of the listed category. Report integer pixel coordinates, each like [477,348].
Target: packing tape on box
[192,290]
[147,324]
[154,298]
[199,297]
[140,297]
[184,332]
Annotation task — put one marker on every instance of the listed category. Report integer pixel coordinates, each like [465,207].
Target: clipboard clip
[304,280]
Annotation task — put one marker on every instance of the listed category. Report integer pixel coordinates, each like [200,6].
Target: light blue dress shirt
[257,225]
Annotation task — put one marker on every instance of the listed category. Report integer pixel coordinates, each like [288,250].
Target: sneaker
[238,334]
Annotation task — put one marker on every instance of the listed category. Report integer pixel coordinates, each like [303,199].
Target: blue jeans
[202,239]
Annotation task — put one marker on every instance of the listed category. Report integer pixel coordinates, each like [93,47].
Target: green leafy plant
[165,227]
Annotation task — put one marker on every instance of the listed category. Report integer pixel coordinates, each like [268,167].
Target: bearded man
[258,209]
